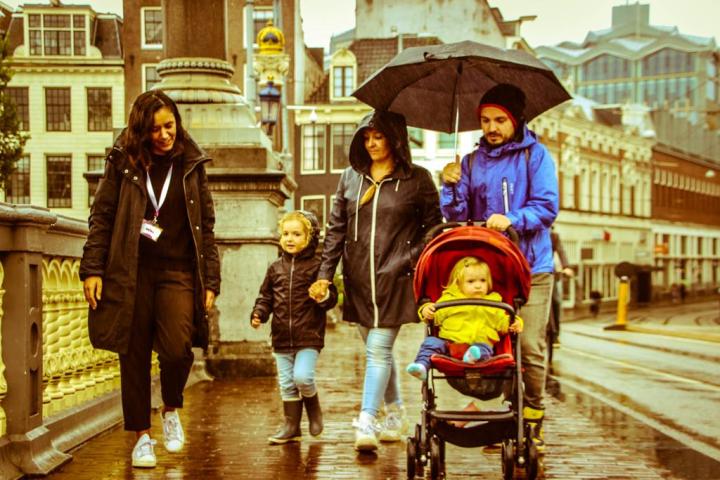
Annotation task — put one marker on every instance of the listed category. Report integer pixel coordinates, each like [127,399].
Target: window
[446,140]
[313,160]
[260,19]
[18,184]
[99,109]
[342,134]
[57,34]
[316,205]
[416,137]
[94,163]
[19,97]
[343,81]
[57,109]
[150,76]
[605,67]
[59,190]
[152,31]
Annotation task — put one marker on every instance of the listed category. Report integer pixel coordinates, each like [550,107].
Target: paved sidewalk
[227,422]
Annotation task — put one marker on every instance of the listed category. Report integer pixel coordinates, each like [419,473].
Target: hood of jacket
[193,152]
[313,241]
[529,138]
[393,126]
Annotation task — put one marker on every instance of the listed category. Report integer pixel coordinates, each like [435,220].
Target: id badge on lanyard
[150,228]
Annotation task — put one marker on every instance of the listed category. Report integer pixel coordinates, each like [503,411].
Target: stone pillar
[248,184]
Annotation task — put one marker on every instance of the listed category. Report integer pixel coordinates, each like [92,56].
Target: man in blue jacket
[510,180]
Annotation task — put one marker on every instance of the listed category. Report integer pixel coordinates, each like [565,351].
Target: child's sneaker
[472,354]
[173,435]
[417,370]
[393,427]
[143,454]
[365,433]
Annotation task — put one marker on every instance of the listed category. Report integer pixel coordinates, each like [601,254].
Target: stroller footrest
[484,416]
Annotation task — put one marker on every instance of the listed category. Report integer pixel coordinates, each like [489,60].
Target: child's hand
[319,290]
[516,327]
[255,321]
[428,312]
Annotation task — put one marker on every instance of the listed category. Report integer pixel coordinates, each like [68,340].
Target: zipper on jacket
[292,270]
[197,249]
[373,288]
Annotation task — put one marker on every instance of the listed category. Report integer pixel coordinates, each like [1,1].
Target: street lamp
[269,106]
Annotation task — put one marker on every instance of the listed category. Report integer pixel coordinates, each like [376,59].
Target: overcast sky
[557,20]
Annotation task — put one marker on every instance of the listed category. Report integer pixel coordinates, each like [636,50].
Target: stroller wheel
[411,458]
[419,451]
[508,460]
[533,462]
[437,462]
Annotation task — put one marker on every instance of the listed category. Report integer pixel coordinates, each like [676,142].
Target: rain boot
[534,418]
[290,431]
[314,413]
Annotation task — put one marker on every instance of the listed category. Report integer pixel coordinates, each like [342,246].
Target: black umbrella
[438,87]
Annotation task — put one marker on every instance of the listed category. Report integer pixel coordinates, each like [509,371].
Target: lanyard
[163,193]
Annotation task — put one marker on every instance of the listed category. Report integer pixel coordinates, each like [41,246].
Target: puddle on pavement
[682,461]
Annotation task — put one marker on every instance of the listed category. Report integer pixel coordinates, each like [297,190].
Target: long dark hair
[138,135]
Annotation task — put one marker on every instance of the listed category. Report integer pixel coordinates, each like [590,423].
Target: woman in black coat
[383,206]
[150,266]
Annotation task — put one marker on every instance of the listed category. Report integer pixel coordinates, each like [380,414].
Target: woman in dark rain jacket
[151,290]
[383,206]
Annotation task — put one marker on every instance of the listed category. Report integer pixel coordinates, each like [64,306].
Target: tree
[12,140]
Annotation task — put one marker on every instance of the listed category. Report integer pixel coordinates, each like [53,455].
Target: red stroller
[499,375]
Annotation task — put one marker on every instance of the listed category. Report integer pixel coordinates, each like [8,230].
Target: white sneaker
[365,433]
[393,427]
[173,435]
[143,454]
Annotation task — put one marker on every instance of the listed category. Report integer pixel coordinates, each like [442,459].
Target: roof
[105,33]
[371,54]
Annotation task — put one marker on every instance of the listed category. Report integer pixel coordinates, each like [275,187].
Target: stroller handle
[478,302]
[437,229]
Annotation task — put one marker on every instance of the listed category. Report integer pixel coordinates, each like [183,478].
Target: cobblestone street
[227,422]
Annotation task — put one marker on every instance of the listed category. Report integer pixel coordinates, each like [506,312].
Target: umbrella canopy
[438,87]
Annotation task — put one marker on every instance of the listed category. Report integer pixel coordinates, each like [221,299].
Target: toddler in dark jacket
[298,322]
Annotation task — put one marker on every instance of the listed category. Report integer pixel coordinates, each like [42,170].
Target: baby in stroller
[472,328]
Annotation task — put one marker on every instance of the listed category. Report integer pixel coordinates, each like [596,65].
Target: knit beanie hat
[508,98]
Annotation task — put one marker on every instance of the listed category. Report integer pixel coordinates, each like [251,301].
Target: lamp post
[269,106]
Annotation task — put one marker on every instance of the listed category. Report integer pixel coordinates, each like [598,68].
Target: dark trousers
[163,321]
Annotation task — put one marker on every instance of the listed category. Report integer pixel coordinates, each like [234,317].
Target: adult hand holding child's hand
[319,290]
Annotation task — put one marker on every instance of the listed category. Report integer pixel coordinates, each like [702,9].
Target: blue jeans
[381,380]
[296,373]
[433,345]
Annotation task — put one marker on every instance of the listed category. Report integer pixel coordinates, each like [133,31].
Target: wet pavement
[227,423]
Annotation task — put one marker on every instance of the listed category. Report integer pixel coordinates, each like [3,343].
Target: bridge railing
[56,391]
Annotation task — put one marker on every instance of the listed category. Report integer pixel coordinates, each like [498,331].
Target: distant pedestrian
[510,181]
[383,207]
[150,266]
[298,322]
[476,328]
[562,269]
